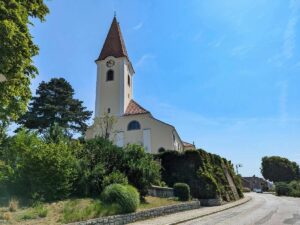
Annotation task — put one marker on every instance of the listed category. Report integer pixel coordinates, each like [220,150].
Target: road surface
[264,209]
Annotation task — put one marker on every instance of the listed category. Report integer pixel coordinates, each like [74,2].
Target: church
[114,97]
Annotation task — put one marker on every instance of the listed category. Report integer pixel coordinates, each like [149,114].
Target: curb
[247,199]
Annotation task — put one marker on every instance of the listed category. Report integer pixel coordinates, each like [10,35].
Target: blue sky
[224,73]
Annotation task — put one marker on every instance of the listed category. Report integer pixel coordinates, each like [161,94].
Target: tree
[36,169]
[104,125]
[16,52]
[54,104]
[279,169]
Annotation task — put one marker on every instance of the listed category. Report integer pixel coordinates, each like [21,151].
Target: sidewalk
[180,217]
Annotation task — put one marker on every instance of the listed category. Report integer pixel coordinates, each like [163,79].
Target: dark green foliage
[115,177]
[182,191]
[98,158]
[288,189]
[139,167]
[38,170]
[54,103]
[279,169]
[282,188]
[202,171]
[126,196]
[16,52]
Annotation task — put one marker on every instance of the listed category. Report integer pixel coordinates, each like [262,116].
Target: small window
[108,110]
[128,80]
[134,125]
[110,75]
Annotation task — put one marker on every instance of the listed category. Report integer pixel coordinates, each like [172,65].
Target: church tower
[114,75]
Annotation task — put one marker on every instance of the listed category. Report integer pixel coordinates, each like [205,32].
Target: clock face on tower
[110,63]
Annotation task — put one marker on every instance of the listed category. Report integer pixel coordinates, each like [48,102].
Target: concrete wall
[162,135]
[161,192]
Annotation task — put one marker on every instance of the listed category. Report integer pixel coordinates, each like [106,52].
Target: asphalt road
[262,209]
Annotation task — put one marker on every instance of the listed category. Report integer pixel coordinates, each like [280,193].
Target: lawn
[68,211]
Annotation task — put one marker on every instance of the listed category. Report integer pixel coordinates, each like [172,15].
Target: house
[114,97]
[255,183]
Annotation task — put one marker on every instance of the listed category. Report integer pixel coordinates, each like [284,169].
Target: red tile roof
[134,108]
[186,144]
[114,44]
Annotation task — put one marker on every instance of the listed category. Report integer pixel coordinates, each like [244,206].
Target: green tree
[16,52]
[279,169]
[34,168]
[54,103]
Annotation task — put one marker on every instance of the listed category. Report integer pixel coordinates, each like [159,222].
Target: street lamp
[237,166]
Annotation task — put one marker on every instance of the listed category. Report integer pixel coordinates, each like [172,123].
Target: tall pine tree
[54,103]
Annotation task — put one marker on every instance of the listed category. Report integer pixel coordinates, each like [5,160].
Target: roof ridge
[133,108]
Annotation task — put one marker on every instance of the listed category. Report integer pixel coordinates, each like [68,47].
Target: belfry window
[128,80]
[134,125]
[110,75]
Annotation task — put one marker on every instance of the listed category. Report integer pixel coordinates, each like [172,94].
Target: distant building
[114,96]
[255,183]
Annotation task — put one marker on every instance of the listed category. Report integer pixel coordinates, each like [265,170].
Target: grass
[71,210]
[153,202]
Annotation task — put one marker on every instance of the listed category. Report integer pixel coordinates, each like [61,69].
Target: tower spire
[114,44]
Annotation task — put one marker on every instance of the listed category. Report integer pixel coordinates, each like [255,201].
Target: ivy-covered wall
[208,175]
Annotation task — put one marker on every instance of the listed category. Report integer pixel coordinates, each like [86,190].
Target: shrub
[13,205]
[126,196]
[132,162]
[182,191]
[43,169]
[41,210]
[140,168]
[282,188]
[115,177]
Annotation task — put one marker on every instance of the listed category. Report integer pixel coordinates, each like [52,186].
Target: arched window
[128,80]
[134,125]
[110,75]
[108,110]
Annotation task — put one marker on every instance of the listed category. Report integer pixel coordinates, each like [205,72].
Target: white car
[258,190]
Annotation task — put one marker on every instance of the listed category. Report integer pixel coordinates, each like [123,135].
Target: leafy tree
[105,125]
[101,163]
[54,103]
[279,169]
[16,52]
[140,167]
[38,169]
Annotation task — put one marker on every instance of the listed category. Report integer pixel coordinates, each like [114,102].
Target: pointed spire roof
[114,44]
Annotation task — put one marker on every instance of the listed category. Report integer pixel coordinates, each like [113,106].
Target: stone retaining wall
[142,215]
[161,192]
[211,202]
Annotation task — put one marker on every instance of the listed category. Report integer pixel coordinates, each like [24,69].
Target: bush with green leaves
[102,163]
[282,188]
[288,189]
[182,191]
[140,168]
[115,177]
[125,196]
[37,168]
